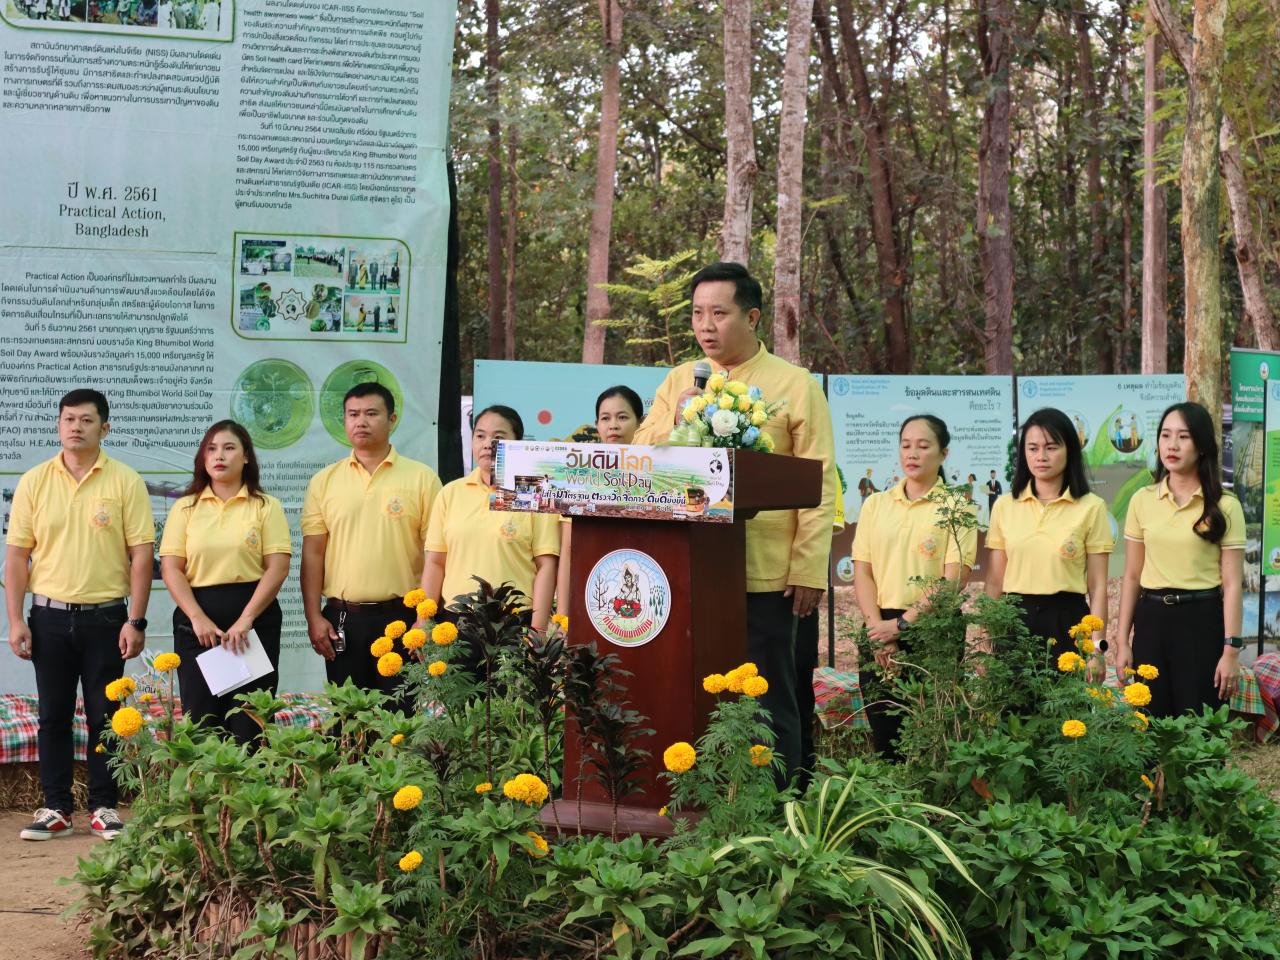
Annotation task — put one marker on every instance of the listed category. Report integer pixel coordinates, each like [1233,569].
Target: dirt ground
[31,899]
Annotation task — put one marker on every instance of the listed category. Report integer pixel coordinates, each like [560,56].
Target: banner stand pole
[1262,558]
[831,621]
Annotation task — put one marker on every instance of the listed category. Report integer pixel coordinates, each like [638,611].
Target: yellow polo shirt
[1046,544]
[784,547]
[80,533]
[225,542]
[902,539]
[1175,557]
[376,525]
[496,545]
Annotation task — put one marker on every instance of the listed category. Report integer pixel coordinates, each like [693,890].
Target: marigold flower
[1129,671]
[1137,694]
[395,629]
[1093,692]
[761,756]
[117,690]
[397,739]
[427,609]
[166,662]
[1073,729]
[748,669]
[437,668]
[561,621]
[414,639]
[411,861]
[407,798]
[1146,782]
[526,788]
[1108,698]
[389,664]
[1070,661]
[1140,720]
[414,597]
[443,634]
[540,845]
[381,647]
[126,721]
[146,697]
[1086,645]
[99,749]
[733,680]
[755,686]
[662,811]
[1092,624]
[1147,672]
[714,683]
[483,788]
[679,757]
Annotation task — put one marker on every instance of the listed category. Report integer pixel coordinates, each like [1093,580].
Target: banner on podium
[612,480]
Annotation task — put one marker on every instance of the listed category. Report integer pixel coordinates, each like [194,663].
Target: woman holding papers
[224,554]
[619,411]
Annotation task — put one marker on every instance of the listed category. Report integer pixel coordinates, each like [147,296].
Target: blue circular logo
[840,385]
[628,598]
[1275,390]
[1030,388]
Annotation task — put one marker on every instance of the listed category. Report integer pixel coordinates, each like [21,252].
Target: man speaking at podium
[787,550]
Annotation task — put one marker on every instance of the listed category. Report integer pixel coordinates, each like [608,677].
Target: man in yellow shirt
[80,537]
[364,523]
[787,550]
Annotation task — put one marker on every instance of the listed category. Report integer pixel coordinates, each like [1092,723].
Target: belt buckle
[1169,599]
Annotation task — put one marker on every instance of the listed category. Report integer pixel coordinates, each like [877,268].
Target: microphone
[701,374]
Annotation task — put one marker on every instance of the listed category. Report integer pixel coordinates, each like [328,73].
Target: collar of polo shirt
[97,464]
[1029,493]
[388,460]
[899,492]
[1163,492]
[208,494]
[473,480]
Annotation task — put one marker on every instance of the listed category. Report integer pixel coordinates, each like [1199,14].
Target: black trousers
[70,649]
[806,662]
[223,603]
[773,638]
[1051,616]
[363,625]
[881,708]
[1184,642]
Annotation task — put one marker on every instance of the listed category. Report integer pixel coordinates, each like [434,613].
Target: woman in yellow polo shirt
[1183,571]
[466,539]
[224,554]
[619,411]
[1049,538]
[897,540]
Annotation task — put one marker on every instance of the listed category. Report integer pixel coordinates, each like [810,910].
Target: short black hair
[371,388]
[78,398]
[506,413]
[936,424]
[747,292]
[1061,430]
[627,394]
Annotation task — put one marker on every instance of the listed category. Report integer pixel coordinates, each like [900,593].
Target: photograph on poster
[323,259]
[263,257]
[188,19]
[372,315]
[49,11]
[375,267]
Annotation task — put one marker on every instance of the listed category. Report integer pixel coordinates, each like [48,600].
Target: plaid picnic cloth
[1266,670]
[838,699]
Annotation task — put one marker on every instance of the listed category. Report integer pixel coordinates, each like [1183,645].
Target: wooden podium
[705,631]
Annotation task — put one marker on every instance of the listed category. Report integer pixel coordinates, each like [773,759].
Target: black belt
[1171,598]
[357,606]
[39,600]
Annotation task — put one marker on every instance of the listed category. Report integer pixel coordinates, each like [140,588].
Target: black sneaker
[47,825]
[106,823]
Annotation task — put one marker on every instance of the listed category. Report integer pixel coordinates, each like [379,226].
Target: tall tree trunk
[497,314]
[1123,333]
[1256,307]
[791,124]
[1098,304]
[1201,182]
[1155,214]
[995,241]
[593,335]
[513,198]
[891,270]
[741,169]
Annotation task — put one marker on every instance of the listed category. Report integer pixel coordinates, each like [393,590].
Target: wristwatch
[1233,642]
[138,622]
[903,623]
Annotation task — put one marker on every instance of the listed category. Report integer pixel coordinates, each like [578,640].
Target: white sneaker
[47,825]
[106,823]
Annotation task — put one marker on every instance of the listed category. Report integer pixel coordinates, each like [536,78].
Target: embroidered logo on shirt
[928,547]
[509,530]
[101,516]
[394,507]
[251,539]
[1071,548]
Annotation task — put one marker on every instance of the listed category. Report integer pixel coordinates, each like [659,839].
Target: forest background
[923,186]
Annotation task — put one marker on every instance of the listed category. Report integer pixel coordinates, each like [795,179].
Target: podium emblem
[628,598]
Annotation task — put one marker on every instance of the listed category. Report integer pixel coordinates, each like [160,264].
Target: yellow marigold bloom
[662,811]
[483,788]
[414,639]
[716,382]
[395,629]
[397,739]
[407,798]
[1140,720]
[1073,729]
[733,680]
[437,668]
[166,662]
[1137,694]
[411,861]
[1108,698]
[1092,624]
[1086,645]
[1147,672]
[414,597]
[146,698]
[427,609]
[561,621]
[755,686]
[540,845]
[761,756]
[117,690]
[1129,671]
[389,664]
[1093,692]
[1146,782]
[126,721]
[99,749]
[443,634]
[679,757]
[1070,661]
[526,788]
[748,669]
[381,647]
[714,683]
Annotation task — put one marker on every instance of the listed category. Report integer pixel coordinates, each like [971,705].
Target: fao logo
[1030,388]
[841,386]
[1275,391]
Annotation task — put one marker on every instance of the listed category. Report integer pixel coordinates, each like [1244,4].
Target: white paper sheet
[225,671]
